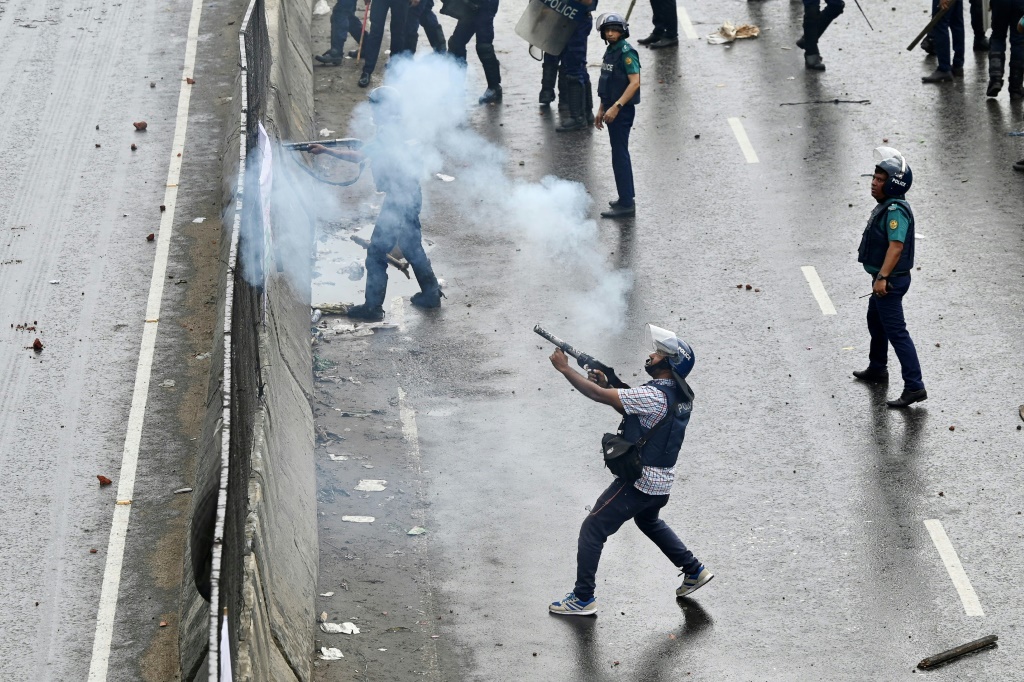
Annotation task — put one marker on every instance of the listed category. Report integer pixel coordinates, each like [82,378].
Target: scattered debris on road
[103,480]
[150,237]
[417,530]
[371,485]
[37,346]
[140,125]
[329,653]
[727,33]
[181,491]
[826,101]
[358,519]
[342,628]
[957,652]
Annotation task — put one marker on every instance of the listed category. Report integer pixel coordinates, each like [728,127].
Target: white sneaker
[571,605]
[695,581]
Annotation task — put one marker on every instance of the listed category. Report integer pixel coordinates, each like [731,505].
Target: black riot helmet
[612,19]
[892,162]
[386,104]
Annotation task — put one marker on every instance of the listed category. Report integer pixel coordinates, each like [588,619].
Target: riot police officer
[395,173]
[480,24]
[816,21]
[344,22]
[887,253]
[576,88]
[379,10]
[655,415]
[619,92]
[421,13]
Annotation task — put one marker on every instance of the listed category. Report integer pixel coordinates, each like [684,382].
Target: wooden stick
[931,24]
[957,652]
[366,14]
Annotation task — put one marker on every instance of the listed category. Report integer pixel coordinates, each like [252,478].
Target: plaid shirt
[651,406]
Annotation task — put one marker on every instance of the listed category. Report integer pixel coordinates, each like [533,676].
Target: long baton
[931,24]
[864,15]
[630,10]
[366,13]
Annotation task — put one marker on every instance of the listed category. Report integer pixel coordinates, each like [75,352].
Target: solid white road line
[968,597]
[409,430]
[818,289]
[684,22]
[136,416]
[741,137]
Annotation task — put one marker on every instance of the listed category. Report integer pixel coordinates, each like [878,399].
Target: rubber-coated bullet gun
[587,362]
[346,142]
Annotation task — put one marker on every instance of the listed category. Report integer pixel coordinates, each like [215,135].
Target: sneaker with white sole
[571,605]
[694,581]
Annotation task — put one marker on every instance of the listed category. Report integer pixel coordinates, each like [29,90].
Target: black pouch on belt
[623,458]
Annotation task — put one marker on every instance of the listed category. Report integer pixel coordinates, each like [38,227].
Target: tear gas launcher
[346,142]
[587,362]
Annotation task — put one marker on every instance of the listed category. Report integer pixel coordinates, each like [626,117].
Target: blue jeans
[952,23]
[887,326]
[619,503]
[622,165]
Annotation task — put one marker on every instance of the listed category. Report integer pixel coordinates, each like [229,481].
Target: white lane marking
[136,416]
[968,597]
[684,21]
[818,289]
[398,311]
[409,430]
[741,137]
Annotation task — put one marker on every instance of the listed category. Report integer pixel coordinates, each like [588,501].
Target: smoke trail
[548,220]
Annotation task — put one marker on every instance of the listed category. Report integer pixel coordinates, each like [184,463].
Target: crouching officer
[396,173]
[619,91]
[656,413]
[887,252]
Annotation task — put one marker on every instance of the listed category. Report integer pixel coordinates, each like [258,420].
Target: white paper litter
[371,485]
[728,33]
[329,653]
[365,466]
[180,491]
[198,220]
[322,8]
[324,132]
[167,383]
[381,649]
[342,628]
[358,519]
[327,594]
[442,176]
[337,458]
[54,281]
[418,530]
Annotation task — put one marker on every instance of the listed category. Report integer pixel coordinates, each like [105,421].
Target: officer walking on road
[344,22]
[379,10]
[619,92]
[887,253]
[481,24]
[659,412]
[816,21]
[395,173]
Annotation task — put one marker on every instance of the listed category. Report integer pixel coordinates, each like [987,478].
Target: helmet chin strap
[687,391]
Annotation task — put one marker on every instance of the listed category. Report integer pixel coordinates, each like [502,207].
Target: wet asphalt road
[76,204]
[803,493]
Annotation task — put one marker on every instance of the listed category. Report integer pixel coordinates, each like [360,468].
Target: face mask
[654,368]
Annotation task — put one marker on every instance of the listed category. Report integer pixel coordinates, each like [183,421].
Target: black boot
[548,76]
[982,43]
[653,38]
[812,16]
[331,58]
[430,294]
[492,72]
[563,99]
[576,98]
[1015,83]
[364,311]
[928,45]
[588,102]
[996,61]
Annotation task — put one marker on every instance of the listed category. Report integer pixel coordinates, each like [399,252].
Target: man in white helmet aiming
[654,422]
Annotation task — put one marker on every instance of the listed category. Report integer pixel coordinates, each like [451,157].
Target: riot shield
[548,24]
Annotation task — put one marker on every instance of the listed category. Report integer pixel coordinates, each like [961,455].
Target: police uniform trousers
[666,22]
[1005,15]
[379,9]
[573,59]
[887,326]
[344,23]
[622,165]
[480,25]
[423,15]
[816,21]
[951,23]
[397,224]
[619,503]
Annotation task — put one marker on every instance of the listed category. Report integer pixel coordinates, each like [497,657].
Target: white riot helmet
[678,353]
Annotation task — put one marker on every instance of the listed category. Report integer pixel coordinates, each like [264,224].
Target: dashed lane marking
[968,597]
[136,416]
[741,137]
[684,22]
[818,289]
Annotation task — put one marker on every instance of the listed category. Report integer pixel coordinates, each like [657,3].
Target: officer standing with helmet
[887,253]
[481,24]
[816,21]
[658,411]
[396,173]
[619,92]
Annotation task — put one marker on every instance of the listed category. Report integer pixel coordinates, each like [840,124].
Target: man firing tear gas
[655,414]
[396,174]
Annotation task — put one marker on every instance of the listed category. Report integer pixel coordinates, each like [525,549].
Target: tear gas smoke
[547,220]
